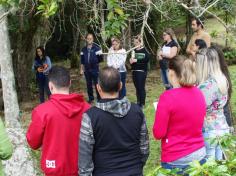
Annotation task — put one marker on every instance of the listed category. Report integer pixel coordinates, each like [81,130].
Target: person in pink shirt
[179,118]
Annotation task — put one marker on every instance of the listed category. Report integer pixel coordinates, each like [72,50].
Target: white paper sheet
[166,50]
[155,105]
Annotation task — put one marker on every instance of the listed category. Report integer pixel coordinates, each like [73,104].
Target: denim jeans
[213,150]
[91,79]
[122,93]
[139,79]
[164,77]
[43,87]
[181,168]
[183,163]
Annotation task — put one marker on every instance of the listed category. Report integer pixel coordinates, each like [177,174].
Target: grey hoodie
[119,108]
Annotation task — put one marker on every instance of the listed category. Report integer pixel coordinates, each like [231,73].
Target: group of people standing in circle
[193,109]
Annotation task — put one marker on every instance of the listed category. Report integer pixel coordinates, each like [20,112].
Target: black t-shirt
[164,61]
[142,57]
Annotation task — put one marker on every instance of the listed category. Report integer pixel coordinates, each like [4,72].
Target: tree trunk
[20,163]
[188,27]
[24,53]
[227,30]
[74,56]
[32,32]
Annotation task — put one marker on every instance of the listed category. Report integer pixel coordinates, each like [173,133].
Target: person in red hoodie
[55,126]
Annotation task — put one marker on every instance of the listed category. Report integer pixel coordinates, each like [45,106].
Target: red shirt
[55,127]
[179,122]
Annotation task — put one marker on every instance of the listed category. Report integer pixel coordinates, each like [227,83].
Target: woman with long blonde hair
[214,85]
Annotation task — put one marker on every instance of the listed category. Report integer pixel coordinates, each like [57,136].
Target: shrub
[225,167]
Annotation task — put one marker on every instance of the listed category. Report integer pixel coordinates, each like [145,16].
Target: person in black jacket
[139,65]
[91,56]
[113,135]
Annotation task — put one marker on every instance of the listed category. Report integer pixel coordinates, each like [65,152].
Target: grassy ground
[154,89]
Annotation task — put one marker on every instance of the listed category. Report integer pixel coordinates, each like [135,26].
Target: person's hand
[40,69]
[45,66]
[160,55]
[132,60]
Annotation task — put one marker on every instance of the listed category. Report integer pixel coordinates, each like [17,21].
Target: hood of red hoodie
[70,105]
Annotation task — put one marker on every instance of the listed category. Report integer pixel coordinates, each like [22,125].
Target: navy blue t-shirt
[164,62]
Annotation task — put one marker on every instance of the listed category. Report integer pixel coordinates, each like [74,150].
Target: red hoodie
[55,126]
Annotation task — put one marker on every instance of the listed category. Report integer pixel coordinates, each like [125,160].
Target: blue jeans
[212,150]
[122,93]
[43,87]
[182,168]
[164,77]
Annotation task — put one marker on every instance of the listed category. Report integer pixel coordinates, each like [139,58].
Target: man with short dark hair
[55,126]
[90,59]
[199,33]
[113,135]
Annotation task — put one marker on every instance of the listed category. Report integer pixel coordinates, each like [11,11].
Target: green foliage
[9,3]
[116,19]
[48,7]
[159,171]
[214,34]
[230,55]
[211,167]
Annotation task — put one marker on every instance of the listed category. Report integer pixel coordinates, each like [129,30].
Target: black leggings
[139,78]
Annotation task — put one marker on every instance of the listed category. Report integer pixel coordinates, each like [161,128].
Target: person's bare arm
[189,47]
[81,69]
[207,39]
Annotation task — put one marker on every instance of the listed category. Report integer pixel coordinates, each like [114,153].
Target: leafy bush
[230,56]
[225,167]
[214,34]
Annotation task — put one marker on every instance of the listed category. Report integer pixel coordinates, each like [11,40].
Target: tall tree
[20,163]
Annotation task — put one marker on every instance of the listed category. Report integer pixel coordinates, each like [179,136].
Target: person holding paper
[179,122]
[169,50]
[139,65]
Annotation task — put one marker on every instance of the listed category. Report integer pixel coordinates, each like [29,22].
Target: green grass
[154,88]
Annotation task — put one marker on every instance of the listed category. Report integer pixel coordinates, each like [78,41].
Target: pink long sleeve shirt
[179,122]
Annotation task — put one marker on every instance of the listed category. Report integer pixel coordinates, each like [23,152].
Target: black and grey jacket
[113,139]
